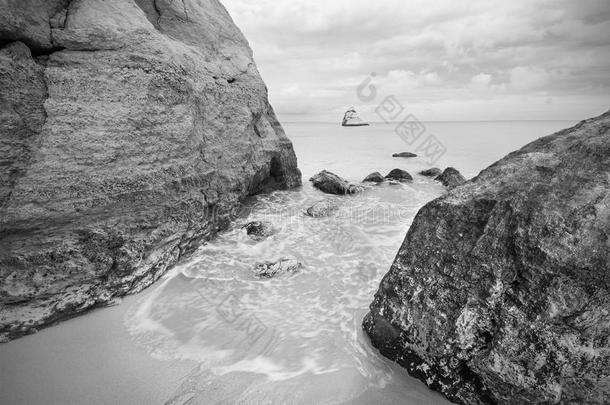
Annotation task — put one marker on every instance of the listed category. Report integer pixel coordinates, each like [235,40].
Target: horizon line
[431,121]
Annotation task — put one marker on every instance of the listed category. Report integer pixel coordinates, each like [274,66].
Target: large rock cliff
[129,131]
[500,292]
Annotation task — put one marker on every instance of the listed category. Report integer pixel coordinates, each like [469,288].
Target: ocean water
[211,332]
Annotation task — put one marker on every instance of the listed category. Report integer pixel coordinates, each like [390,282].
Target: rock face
[451,178]
[332,184]
[351,119]
[399,175]
[500,292]
[404,155]
[130,130]
[375,177]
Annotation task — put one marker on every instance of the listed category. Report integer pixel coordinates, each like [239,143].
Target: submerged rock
[351,119]
[451,178]
[332,184]
[404,155]
[272,269]
[500,292]
[399,175]
[374,178]
[117,154]
[259,230]
[433,172]
[322,209]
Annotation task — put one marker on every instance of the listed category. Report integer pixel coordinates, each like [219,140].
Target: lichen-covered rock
[272,269]
[32,21]
[433,172]
[322,209]
[332,184]
[451,178]
[375,177]
[259,230]
[129,132]
[404,155]
[500,292]
[399,175]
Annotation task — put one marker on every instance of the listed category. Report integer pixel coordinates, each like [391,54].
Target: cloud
[401,81]
[349,61]
[528,78]
[482,80]
[443,52]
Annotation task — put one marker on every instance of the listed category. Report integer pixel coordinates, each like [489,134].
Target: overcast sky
[444,60]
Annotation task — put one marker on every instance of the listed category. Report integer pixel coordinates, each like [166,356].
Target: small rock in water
[451,178]
[271,269]
[399,175]
[332,184]
[434,172]
[259,230]
[321,209]
[405,155]
[374,178]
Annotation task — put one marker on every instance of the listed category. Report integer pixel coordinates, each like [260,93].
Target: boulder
[259,230]
[500,292]
[433,172]
[332,184]
[404,155]
[374,178]
[272,269]
[399,175]
[322,209]
[124,128]
[451,178]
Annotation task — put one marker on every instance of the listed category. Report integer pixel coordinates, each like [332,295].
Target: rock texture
[404,155]
[399,175]
[451,177]
[322,209]
[375,177]
[129,131]
[500,292]
[259,230]
[332,184]
[351,119]
[433,172]
[272,269]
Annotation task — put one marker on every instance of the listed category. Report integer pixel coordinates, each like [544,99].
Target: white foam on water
[275,371]
[310,322]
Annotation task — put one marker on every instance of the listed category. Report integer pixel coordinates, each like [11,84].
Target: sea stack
[500,292]
[124,128]
[351,119]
